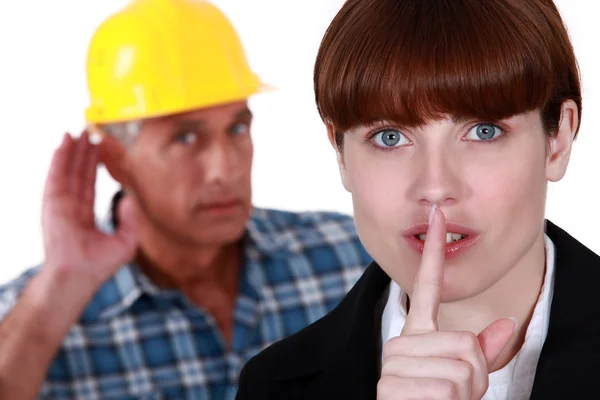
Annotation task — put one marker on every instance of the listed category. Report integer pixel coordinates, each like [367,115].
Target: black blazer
[338,357]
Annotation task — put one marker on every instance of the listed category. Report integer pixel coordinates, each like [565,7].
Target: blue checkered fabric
[137,341]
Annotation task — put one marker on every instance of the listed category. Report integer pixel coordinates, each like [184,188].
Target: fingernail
[516,322]
[95,138]
[431,213]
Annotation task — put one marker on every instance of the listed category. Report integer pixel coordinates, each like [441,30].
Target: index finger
[57,179]
[427,288]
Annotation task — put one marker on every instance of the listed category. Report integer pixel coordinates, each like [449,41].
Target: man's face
[489,180]
[192,173]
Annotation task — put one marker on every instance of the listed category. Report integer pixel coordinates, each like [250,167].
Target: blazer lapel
[569,365]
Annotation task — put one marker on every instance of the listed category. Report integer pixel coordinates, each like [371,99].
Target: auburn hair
[410,61]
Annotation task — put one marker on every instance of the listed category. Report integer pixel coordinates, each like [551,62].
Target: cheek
[378,197]
[244,156]
[165,187]
[508,191]
[376,183]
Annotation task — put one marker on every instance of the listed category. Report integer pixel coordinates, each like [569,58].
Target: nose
[436,178]
[219,162]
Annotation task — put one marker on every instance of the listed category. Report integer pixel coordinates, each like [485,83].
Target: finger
[495,337]
[460,373]
[89,193]
[427,288]
[78,172]
[445,344]
[394,388]
[56,181]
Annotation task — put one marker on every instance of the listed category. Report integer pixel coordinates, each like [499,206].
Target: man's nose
[219,162]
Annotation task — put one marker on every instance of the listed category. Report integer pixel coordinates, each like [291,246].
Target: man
[186,280]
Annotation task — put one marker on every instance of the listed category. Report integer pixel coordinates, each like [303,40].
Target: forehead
[220,114]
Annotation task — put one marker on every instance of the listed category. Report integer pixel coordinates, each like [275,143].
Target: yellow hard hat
[159,57]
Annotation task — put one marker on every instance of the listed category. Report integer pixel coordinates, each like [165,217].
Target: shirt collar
[129,283]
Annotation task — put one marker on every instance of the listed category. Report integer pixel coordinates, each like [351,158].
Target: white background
[43,94]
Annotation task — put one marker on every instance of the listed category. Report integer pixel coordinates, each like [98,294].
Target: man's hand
[74,247]
[424,362]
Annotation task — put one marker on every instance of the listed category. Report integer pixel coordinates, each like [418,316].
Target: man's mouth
[220,205]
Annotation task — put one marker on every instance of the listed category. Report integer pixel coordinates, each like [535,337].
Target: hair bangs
[412,61]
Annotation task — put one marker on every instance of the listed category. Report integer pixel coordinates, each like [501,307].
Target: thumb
[495,337]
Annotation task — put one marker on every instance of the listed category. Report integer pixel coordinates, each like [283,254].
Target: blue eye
[484,132]
[239,129]
[187,137]
[390,138]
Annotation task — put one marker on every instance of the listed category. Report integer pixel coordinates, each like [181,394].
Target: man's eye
[240,129]
[187,137]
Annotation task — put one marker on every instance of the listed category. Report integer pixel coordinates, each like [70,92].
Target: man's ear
[560,145]
[114,155]
[339,151]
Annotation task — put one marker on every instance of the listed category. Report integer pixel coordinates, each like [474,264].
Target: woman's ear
[339,151]
[114,155]
[559,149]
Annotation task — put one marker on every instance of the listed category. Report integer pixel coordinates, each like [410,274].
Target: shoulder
[11,291]
[323,235]
[576,278]
[572,251]
[327,221]
[323,242]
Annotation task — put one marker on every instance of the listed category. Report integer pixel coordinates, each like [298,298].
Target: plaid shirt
[137,341]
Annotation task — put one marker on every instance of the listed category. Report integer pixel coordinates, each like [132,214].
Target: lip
[225,205]
[452,249]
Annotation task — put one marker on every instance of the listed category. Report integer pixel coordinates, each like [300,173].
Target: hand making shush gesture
[426,363]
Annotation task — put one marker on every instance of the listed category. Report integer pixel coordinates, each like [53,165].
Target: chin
[461,285]
[451,294]
[221,234]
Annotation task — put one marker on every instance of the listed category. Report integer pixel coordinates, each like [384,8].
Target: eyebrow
[455,120]
[245,113]
[197,123]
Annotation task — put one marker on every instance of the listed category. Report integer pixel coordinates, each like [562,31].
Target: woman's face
[489,180]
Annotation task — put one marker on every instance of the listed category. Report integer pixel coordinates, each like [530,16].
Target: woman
[449,118]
